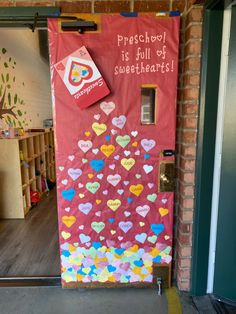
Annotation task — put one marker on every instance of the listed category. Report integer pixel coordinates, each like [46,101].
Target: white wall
[32,77]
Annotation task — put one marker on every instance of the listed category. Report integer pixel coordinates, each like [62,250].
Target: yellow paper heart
[71,248]
[163,211]
[136,189]
[90,175]
[65,235]
[68,220]
[114,204]
[98,201]
[135,144]
[87,133]
[142,224]
[99,128]
[81,195]
[127,163]
[113,232]
[107,150]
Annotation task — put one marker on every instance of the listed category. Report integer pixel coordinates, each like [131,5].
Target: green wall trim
[210,69]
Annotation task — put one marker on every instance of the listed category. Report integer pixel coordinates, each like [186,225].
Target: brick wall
[187,121]
[187,116]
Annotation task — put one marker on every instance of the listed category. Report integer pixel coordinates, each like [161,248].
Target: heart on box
[152,239]
[114,204]
[107,150]
[141,237]
[127,153]
[74,173]
[61,168]
[136,189]
[85,208]
[79,72]
[107,107]
[123,140]
[127,163]
[119,122]
[113,179]
[71,157]
[163,211]
[120,191]
[143,210]
[134,133]
[85,145]
[97,116]
[64,182]
[125,226]
[95,151]
[127,214]
[68,220]
[97,164]
[99,128]
[68,194]
[98,226]
[148,144]
[92,187]
[157,228]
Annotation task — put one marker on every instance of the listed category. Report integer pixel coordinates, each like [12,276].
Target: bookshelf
[24,163]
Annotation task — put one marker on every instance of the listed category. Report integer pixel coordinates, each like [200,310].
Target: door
[225,258]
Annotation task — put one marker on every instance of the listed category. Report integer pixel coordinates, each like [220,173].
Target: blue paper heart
[111,220]
[157,228]
[108,137]
[111,268]
[96,245]
[65,253]
[97,164]
[138,263]
[68,194]
[130,200]
[70,269]
[157,259]
[119,251]
[128,277]
[80,272]
[146,156]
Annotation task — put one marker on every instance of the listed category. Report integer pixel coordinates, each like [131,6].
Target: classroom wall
[25,79]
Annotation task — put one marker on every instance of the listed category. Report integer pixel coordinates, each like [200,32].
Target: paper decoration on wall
[114,223]
[82,78]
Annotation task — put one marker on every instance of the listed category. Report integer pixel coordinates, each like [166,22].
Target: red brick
[186,190]
[187,177]
[111,6]
[187,164]
[187,203]
[193,32]
[184,251]
[191,79]
[188,151]
[43,4]
[74,6]
[186,215]
[151,6]
[191,93]
[195,15]
[189,123]
[7,4]
[184,227]
[189,137]
[190,109]
[192,64]
[178,5]
[185,239]
[183,285]
[24,3]
[193,47]
[184,262]
[184,273]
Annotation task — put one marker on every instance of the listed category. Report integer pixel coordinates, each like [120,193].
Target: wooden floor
[30,247]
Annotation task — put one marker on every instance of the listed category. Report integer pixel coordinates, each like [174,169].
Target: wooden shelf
[24,162]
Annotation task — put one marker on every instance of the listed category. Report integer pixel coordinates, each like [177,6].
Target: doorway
[28,246]
[222,254]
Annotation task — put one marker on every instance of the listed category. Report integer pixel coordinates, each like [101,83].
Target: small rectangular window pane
[148,103]
[167,177]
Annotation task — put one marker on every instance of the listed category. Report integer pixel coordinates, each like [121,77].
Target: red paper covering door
[114,159]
